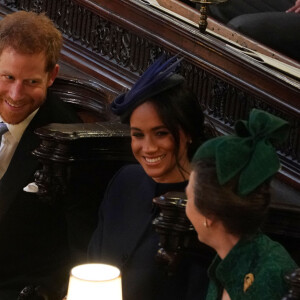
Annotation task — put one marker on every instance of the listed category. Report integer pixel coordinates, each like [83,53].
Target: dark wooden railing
[115,40]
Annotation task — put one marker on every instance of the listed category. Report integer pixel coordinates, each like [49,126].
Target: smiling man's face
[23,84]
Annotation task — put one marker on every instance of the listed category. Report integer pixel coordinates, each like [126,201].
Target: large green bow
[249,153]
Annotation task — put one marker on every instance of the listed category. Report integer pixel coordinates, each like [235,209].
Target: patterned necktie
[3,129]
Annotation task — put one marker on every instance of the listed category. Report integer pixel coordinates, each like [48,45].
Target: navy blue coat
[125,237]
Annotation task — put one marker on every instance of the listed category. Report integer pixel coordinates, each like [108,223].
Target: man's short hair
[31,33]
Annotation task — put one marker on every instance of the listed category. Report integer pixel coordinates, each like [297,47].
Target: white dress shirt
[10,141]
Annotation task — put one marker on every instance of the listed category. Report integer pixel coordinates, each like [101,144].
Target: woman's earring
[205,223]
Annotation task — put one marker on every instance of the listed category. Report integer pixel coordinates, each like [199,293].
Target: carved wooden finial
[203,12]
[177,236]
[172,226]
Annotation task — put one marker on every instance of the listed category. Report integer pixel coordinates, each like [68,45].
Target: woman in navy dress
[167,126]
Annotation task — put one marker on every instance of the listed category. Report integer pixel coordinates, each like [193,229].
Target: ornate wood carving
[177,235]
[80,158]
[116,40]
[90,99]
[68,152]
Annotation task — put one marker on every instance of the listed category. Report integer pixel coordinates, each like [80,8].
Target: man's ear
[53,74]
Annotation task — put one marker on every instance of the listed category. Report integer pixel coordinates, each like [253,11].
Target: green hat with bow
[249,153]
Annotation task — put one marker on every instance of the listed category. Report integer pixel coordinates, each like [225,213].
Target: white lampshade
[95,282]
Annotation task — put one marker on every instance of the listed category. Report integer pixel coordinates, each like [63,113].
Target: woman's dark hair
[240,215]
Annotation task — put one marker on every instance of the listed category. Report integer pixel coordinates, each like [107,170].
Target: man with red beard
[33,235]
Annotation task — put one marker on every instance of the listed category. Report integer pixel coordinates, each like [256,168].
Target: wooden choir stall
[107,45]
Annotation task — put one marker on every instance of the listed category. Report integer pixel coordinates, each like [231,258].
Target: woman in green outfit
[228,197]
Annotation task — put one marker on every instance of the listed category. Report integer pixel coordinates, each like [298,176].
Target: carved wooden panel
[90,100]
[103,39]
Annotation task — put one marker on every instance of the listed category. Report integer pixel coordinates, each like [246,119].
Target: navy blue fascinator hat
[159,77]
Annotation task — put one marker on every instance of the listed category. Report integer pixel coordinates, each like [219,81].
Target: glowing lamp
[94,282]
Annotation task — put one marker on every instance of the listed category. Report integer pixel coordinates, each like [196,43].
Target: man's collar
[17,130]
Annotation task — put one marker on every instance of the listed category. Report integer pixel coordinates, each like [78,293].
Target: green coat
[265,260]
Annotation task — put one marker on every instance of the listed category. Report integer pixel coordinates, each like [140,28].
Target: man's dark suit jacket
[34,246]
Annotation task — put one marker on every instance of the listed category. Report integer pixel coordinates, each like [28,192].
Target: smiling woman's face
[153,145]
